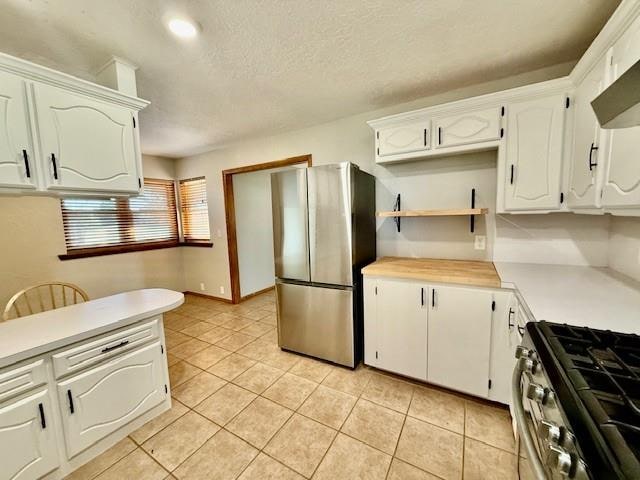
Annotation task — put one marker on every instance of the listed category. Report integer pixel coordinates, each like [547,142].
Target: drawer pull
[71,407]
[43,422]
[114,347]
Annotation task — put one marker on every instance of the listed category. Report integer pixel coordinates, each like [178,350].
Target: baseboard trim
[259,292]
[210,297]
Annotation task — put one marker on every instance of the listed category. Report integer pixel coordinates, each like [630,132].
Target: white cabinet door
[459,338]
[98,401]
[402,327]
[17,168]
[27,438]
[471,127]
[587,153]
[370,311]
[412,137]
[87,145]
[622,182]
[534,154]
[504,340]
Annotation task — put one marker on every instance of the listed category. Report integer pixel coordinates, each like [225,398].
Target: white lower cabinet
[99,401]
[27,438]
[504,340]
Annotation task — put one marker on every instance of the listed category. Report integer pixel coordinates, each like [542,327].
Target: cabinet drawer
[22,378]
[96,350]
[101,400]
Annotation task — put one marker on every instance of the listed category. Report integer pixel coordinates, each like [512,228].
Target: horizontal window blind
[194,210]
[92,223]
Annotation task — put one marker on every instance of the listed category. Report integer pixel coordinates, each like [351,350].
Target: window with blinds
[194,211]
[95,226]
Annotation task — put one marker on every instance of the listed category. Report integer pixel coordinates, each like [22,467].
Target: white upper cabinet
[587,153]
[17,168]
[622,180]
[62,135]
[468,127]
[87,144]
[533,157]
[412,137]
[459,338]
[27,438]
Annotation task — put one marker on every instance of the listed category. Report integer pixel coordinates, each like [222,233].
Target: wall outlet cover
[480,242]
[202,287]
[221,289]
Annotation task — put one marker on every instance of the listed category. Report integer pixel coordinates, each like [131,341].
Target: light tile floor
[242,408]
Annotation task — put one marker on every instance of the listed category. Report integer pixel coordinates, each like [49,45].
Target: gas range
[576,395]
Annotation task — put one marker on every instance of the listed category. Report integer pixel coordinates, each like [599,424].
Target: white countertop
[583,296]
[33,335]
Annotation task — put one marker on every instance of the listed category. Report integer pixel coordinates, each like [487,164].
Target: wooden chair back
[43,297]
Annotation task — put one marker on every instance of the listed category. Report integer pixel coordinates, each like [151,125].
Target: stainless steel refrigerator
[324,232]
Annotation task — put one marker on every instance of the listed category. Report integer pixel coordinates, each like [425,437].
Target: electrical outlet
[221,290]
[480,242]
[202,287]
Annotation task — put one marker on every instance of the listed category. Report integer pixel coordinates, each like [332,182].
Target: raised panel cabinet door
[586,156]
[28,444]
[459,339]
[622,180]
[466,128]
[402,327]
[534,154]
[87,145]
[503,325]
[17,168]
[412,137]
[98,401]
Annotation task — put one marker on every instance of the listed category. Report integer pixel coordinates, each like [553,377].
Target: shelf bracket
[396,208]
[473,205]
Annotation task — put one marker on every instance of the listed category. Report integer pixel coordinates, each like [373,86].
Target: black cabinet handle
[439,135]
[55,167]
[433,298]
[26,163]
[591,162]
[113,347]
[71,407]
[512,168]
[511,312]
[43,422]
[520,330]
[422,296]
[425,137]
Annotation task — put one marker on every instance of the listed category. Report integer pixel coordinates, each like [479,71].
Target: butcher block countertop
[462,272]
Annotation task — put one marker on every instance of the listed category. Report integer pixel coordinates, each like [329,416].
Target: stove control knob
[521,352]
[559,460]
[535,392]
[550,431]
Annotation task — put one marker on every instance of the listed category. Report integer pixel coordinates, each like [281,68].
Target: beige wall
[624,246]
[33,237]
[439,183]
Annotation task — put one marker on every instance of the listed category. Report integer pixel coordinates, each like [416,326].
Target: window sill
[196,244]
[100,251]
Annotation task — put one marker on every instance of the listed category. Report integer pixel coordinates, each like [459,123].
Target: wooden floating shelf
[435,213]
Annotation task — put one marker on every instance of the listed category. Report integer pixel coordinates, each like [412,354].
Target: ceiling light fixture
[183,28]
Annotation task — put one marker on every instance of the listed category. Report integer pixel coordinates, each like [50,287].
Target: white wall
[624,246]
[437,183]
[33,237]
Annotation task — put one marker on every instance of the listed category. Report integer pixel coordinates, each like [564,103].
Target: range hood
[619,105]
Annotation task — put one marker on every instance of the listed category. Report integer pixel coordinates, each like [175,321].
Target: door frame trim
[230,213]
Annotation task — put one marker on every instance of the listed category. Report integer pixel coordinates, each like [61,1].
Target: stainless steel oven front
[543,431]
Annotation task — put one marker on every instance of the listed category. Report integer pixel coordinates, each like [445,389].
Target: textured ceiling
[266,66]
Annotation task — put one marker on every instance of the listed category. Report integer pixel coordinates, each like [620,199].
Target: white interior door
[587,149]
[17,168]
[412,137]
[622,185]
[98,401]
[87,144]
[467,128]
[534,154]
[459,338]
[27,440]
[402,327]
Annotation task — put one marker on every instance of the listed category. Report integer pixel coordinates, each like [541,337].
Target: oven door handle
[537,467]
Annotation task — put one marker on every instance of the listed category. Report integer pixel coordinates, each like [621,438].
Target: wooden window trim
[192,243]
[116,249]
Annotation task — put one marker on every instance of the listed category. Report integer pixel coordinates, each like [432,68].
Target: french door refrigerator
[324,233]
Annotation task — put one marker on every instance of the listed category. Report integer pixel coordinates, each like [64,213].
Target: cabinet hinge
[376,355]
[493,306]
[376,290]
[501,132]
[502,111]
[134,122]
[489,384]
[561,197]
[378,151]
[162,349]
[166,390]
[139,183]
[567,102]
[378,135]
